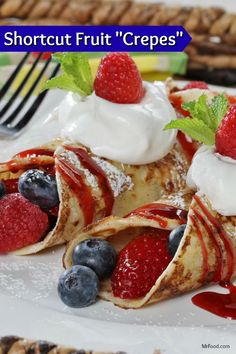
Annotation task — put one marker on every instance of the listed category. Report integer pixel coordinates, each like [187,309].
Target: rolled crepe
[205,254]
[91,187]
[17,345]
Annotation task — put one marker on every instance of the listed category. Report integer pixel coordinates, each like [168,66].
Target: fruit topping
[140,264]
[21,223]
[45,56]
[78,286]
[11,185]
[175,238]
[97,254]
[39,188]
[204,118]
[118,79]
[3,189]
[196,84]
[226,134]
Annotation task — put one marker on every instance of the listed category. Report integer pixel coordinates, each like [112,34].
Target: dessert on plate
[181,242]
[112,157]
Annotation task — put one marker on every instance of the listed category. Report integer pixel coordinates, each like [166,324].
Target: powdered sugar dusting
[73,159]
[117,179]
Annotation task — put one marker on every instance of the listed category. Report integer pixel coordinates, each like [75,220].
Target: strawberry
[21,223]
[118,79]
[226,134]
[140,263]
[45,56]
[196,84]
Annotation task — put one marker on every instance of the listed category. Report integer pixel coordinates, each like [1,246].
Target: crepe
[205,254]
[91,188]
[17,345]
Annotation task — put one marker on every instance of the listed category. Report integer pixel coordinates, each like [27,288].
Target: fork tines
[10,120]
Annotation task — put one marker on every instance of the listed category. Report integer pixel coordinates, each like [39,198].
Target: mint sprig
[76,76]
[205,118]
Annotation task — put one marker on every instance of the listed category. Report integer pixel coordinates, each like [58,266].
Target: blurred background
[211,56]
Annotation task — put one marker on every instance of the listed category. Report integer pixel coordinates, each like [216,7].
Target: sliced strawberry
[226,134]
[118,79]
[196,84]
[140,264]
[21,223]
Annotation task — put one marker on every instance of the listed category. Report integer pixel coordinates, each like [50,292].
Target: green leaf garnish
[205,118]
[76,76]
[195,128]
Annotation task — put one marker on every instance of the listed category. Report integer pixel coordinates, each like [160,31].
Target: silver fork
[12,123]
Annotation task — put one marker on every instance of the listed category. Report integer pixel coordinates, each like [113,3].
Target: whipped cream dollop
[127,133]
[215,176]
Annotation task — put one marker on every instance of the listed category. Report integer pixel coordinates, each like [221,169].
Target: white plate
[30,306]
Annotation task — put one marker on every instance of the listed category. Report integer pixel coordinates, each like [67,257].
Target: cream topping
[127,133]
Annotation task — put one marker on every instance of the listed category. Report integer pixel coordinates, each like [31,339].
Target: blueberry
[97,254]
[78,286]
[3,190]
[39,188]
[174,239]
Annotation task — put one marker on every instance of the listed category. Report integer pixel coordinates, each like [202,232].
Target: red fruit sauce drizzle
[96,170]
[203,247]
[76,181]
[34,153]
[16,165]
[223,305]
[155,211]
[32,157]
[11,185]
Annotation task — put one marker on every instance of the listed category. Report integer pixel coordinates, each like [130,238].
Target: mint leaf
[199,109]
[76,76]
[219,107]
[61,82]
[205,118]
[210,113]
[195,128]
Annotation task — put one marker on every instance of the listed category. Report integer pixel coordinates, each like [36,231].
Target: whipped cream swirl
[215,176]
[127,133]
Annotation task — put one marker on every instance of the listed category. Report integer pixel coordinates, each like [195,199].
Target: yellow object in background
[156,76]
[20,77]
[152,66]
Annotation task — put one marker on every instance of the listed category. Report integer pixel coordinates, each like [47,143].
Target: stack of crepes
[206,252]
[91,187]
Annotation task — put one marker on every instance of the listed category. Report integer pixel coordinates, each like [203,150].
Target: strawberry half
[118,79]
[140,263]
[226,134]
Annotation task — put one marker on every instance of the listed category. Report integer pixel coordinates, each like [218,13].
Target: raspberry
[196,84]
[118,79]
[140,263]
[21,223]
[226,134]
